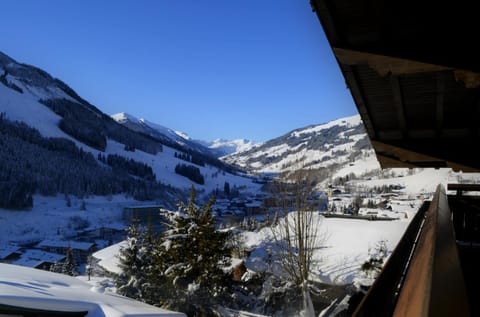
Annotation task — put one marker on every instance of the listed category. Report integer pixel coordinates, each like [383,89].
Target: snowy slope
[37,289]
[224,147]
[147,127]
[341,251]
[22,86]
[163,165]
[334,144]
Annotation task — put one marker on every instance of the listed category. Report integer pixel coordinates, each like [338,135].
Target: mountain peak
[123,116]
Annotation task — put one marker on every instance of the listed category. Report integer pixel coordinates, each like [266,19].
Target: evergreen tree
[68,267]
[192,254]
[226,188]
[134,262]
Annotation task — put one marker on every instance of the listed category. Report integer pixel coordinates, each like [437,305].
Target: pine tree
[192,254]
[134,261]
[68,267]
[226,188]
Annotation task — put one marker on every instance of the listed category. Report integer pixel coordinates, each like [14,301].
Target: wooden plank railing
[423,276]
[382,295]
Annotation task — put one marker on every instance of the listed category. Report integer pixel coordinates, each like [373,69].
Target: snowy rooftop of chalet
[37,289]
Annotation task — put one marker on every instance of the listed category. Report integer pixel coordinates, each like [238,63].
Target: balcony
[434,270]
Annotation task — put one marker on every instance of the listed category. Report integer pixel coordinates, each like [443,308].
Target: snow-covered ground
[421,181]
[343,247]
[37,289]
[51,218]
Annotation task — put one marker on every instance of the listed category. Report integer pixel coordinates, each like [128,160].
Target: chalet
[145,215]
[81,250]
[9,253]
[252,208]
[38,259]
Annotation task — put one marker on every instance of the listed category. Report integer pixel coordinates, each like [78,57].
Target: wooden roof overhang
[414,73]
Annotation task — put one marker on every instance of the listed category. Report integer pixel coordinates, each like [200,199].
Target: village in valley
[83,234]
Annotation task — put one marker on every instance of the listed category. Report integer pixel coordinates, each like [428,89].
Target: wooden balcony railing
[423,276]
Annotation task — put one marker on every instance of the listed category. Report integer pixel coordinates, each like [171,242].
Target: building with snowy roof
[30,292]
[38,259]
[81,250]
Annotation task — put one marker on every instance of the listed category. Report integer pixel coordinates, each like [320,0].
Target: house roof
[33,258]
[36,289]
[76,245]
[8,250]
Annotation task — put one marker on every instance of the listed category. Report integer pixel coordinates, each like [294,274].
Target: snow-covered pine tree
[135,264]
[68,267]
[192,253]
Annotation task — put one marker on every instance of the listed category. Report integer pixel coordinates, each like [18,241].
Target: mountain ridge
[57,135]
[332,146]
[338,146]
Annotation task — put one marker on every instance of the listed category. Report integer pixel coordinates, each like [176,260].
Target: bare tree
[298,234]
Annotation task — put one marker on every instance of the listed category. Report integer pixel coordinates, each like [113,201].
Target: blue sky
[252,69]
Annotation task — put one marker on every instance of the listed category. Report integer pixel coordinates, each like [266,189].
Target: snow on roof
[108,257]
[32,258]
[66,244]
[7,250]
[37,289]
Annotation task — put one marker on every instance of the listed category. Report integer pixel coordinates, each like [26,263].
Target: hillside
[56,142]
[338,148]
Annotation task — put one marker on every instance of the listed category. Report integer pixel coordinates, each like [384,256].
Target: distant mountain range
[126,150]
[217,148]
[222,147]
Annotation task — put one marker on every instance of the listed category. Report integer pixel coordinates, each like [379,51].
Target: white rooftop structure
[33,258]
[26,288]
[66,244]
[108,257]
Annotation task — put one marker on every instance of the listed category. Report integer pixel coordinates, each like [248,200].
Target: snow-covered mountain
[147,127]
[166,135]
[58,127]
[217,148]
[222,147]
[340,145]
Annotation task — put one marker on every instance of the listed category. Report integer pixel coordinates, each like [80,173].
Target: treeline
[191,172]
[130,166]
[88,125]
[31,163]
[192,158]
[4,80]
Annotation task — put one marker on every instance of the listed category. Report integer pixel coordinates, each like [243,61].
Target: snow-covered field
[51,218]
[343,247]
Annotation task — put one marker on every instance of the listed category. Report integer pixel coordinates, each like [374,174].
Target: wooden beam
[385,65]
[474,126]
[357,94]
[394,156]
[439,105]
[327,20]
[398,103]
